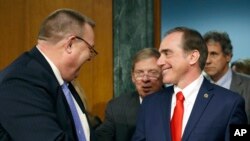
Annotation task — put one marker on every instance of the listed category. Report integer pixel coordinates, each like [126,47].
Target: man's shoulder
[124,98]
[224,93]
[241,76]
[164,93]
[240,81]
[240,84]
[15,70]
[26,71]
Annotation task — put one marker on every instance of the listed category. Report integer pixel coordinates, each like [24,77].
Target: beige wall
[19,25]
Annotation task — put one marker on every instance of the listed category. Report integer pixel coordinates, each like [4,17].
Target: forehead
[214,46]
[146,63]
[171,41]
[88,33]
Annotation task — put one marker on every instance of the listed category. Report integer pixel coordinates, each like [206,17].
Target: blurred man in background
[220,52]
[121,112]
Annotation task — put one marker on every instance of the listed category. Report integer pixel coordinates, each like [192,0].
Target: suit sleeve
[106,131]
[28,113]
[238,115]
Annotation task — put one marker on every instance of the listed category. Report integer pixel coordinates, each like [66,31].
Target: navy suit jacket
[32,104]
[214,110]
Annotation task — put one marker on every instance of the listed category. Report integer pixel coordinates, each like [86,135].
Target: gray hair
[144,54]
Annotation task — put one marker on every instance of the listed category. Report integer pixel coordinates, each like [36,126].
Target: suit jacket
[120,118]
[32,103]
[214,110]
[241,84]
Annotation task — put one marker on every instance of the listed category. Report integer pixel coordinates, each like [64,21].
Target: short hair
[222,38]
[143,54]
[192,40]
[242,66]
[62,22]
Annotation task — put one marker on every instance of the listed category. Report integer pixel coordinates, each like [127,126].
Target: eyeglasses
[153,75]
[91,48]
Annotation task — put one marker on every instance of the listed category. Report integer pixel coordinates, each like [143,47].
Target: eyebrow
[166,51]
[213,52]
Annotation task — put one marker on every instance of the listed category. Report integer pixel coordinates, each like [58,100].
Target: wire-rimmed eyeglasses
[153,75]
[91,48]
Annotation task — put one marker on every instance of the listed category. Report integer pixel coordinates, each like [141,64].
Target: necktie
[176,122]
[77,121]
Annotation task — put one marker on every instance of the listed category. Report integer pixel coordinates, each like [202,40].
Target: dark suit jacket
[214,110]
[241,84]
[120,118]
[32,104]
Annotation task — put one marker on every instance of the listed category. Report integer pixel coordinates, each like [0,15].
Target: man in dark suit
[121,112]
[220,52]
[205,111]
[33,106]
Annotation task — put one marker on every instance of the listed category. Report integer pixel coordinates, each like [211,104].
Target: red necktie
[176,122]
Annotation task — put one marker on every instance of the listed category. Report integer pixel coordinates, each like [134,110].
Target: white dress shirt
[190,93]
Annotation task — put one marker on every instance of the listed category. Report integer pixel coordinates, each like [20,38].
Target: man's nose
[208,61]
[145,78]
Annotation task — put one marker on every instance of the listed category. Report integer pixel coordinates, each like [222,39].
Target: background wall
[20,21]
[231,16]
[133,30]
[19,25]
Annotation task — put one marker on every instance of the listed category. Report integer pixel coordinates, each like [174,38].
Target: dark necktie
[77,121]
[176,122]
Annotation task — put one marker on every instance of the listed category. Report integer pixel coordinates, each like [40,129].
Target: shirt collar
[192,88]
[54,68]
[225,79]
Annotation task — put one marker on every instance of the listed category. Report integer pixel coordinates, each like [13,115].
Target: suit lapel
[131,108]
[36,55]
[200,105]
[166,110]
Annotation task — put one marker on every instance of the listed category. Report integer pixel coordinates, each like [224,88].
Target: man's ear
[228,57]
[133,77]
[69,47]
[69,44]
[194,57]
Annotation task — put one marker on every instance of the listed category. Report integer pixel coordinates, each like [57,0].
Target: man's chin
[147,92]
[166,81]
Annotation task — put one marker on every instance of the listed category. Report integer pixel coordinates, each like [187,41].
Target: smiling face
[147,76]
[173,59]
[66,37]
[76,54]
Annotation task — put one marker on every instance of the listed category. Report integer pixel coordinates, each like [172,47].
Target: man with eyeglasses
[121,112]
[37,99]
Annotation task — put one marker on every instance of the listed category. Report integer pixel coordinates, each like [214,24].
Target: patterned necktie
[77,121]
[176,122]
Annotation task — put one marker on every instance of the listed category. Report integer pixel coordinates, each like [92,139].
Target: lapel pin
[205,95]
